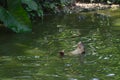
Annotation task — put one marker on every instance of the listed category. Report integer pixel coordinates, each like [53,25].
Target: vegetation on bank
[17,15]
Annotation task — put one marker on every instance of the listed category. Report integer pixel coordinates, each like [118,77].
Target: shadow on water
[34,56]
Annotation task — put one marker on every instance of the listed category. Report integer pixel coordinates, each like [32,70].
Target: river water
[35,56]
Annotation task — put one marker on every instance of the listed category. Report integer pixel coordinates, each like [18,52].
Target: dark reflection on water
[34,56]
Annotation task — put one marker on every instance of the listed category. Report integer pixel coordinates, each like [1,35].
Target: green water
[34,56]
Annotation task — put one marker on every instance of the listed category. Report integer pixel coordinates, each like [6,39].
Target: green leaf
[31,4]
[19,15]
[10,22]
[52,6]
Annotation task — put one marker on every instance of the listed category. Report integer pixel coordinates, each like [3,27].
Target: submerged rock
[81,17]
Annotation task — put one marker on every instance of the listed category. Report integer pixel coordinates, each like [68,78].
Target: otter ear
[79,43]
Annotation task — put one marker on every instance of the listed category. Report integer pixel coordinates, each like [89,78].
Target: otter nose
[61,53]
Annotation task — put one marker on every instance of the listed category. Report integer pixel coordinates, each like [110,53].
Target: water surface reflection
[34,56]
